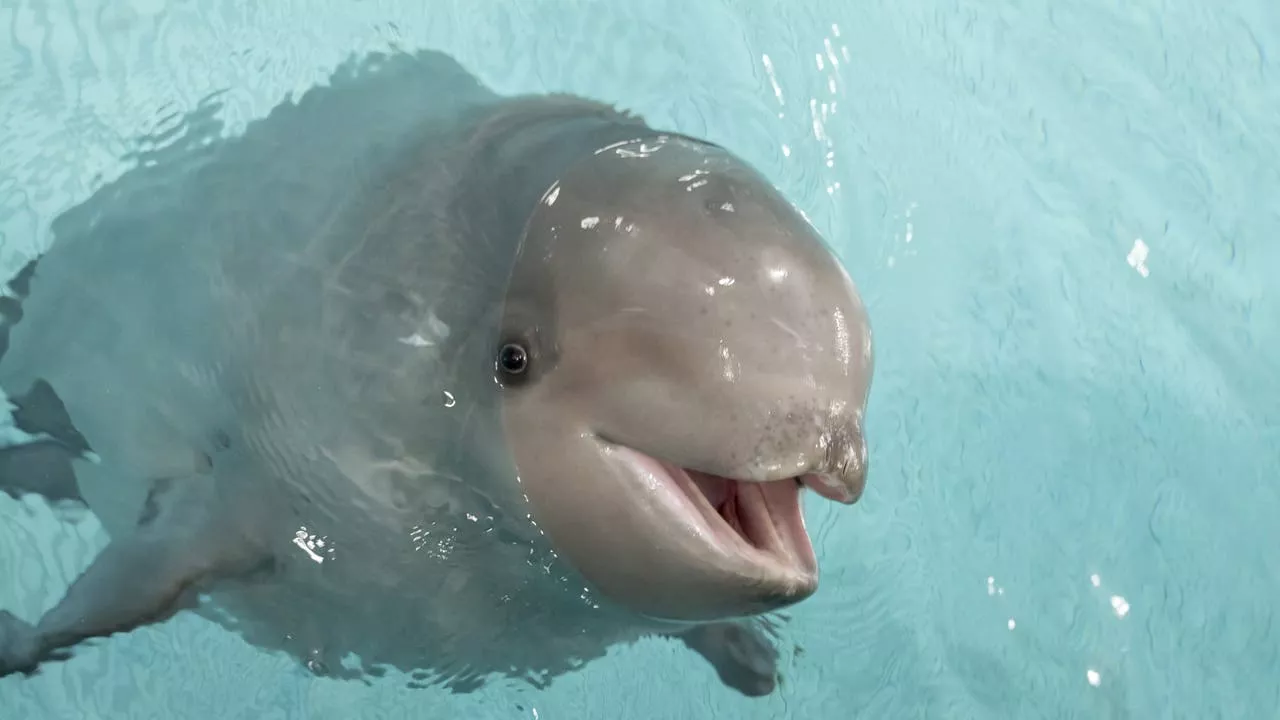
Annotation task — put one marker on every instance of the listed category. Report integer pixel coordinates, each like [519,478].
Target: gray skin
[413,375]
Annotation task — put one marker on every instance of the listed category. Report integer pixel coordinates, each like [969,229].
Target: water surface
[1064,220]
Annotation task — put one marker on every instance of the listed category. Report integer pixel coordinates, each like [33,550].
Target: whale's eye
[513,359]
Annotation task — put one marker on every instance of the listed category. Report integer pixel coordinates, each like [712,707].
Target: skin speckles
[827,439]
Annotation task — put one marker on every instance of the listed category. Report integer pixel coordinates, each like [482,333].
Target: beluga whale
[411,375]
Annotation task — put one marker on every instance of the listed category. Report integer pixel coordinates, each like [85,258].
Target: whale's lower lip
[757,526]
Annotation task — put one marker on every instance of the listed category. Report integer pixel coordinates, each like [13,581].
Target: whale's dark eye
[513,359]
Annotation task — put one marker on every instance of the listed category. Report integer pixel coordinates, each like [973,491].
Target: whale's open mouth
[754,524]
[763,519]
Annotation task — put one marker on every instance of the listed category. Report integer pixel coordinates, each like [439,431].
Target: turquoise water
[1064,221]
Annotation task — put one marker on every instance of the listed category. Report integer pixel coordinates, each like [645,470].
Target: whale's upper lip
[755,527]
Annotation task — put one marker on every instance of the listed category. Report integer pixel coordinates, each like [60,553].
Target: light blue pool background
[1064,217]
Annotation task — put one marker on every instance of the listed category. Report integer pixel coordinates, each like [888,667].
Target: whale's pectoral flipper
[42,468]
[741,652]
[179,548]
[39,443]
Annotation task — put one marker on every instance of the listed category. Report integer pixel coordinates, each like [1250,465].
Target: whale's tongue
[717,489]
[767,516]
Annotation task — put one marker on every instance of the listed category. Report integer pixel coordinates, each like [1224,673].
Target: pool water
[1065,220]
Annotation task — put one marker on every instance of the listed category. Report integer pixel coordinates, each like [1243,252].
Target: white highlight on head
[843,345]
[694,180]
[729,363]
[797,337]
[643,150]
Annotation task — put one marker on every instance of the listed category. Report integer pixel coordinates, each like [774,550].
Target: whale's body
[267,363]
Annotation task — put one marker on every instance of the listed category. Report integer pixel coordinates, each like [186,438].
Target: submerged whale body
[414,375]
